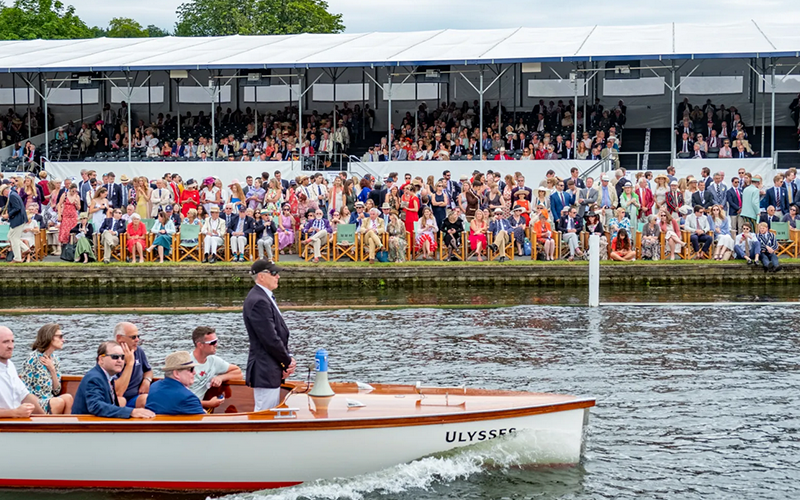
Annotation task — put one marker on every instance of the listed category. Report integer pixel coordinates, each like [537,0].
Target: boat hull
[241,452]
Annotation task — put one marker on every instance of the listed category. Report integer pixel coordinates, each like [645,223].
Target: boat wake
[507,452]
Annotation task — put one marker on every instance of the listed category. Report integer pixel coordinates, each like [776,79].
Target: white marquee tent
[745,39]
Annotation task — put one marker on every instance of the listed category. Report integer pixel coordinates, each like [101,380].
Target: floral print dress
[36,378]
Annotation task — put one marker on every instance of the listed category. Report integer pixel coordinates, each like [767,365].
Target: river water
[692,401]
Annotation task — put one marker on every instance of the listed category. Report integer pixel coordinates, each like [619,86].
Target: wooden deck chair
[787,242]
[414,253]
[189,245]
[508,252]
[637,240]
[461,254]
[307,249]
[345,242]
[118,252]
[687,252]
[474,253]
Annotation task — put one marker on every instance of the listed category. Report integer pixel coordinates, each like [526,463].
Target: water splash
[421,474]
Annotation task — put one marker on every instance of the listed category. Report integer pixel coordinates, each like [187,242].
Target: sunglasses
[211,342]
[134,337]
[115,357]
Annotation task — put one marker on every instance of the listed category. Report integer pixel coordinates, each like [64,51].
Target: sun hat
[178,360]
[213,208]
[83,215]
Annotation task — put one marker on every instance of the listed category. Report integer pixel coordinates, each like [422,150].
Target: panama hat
[178,360]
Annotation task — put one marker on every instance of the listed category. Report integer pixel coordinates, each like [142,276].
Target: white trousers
[320,238]
[109,242]
[18,245]
[266,399]
[211,243]
[265,244]
[238,243]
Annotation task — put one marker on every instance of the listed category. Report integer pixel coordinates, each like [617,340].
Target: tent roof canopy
[417,48]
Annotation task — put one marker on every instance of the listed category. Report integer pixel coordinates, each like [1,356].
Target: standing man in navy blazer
[96,394]
[559,199]
[778,197]
[269,361]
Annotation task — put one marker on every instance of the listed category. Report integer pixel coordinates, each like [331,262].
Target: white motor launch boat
[353,432]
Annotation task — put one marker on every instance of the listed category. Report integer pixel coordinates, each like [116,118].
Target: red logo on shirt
[203,374]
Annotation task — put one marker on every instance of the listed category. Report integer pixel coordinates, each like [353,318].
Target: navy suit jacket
[733,201]
[111,225]
[783,206]
[248,227]
[94,397]
[555,203]
[170,397]
[114,194]
[269,341]
[16,209]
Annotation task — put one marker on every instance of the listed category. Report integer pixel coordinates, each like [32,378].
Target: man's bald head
[6,344]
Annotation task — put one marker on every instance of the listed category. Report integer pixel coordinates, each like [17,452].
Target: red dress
[131,232]
[412,212]
[475,238]
[190,198]
[69,219]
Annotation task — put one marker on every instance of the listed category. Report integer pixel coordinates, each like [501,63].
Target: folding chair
[508,252]
[189,244]
[307,249]
[786,238]
[688,252]
[118,252]
[5,246]
[461,254]
[345,242]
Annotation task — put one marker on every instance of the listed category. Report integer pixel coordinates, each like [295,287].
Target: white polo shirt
[12,390]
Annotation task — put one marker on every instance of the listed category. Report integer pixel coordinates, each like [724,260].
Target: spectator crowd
[487,215]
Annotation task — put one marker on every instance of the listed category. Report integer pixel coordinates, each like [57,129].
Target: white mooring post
[594,270]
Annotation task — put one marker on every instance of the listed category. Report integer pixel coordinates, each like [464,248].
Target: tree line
[52,19]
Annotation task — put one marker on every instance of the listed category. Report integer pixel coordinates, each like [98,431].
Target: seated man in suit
[697,225]
[697,152]
[569,225]
[240,227]
[500,229]
[319,230]
[110,232]
[373,228]
[171,396]
[96,394]
[358,216]
[769,217]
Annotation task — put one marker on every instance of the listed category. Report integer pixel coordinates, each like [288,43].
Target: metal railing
[646,154]
[603,165]
[355,163]
[786,158]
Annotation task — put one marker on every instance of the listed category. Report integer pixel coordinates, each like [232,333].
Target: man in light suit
[607,197]
[96,394]
[718,189]
[698,227]
[269,361]
[500,229]
[240,227]
[160,198]
[587,197]
[319,231]
[611,152]
[372,229]
[110,232]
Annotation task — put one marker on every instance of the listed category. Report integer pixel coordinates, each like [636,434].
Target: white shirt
[271,297]
[12,390]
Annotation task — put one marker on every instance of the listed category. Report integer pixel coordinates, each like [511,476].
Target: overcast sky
[412,15]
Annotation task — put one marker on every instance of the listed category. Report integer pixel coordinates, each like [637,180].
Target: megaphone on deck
[321,389]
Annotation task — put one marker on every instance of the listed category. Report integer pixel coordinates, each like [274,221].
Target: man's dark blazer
[703,198]
[269,341]
[109,224]
[563,221]
[114,195]
[95,397]
[733,201]
[783,206]
[248,227]
[378,196]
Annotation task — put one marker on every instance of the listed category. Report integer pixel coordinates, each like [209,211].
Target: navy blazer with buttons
[733,201]
[170,397]
[248,227]
[783,206]
[109,224]
[95,397]
[16,209]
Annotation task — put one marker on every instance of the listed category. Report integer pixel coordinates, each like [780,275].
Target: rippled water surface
[693,402]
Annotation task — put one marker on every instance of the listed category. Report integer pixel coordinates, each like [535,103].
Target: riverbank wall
[48,279]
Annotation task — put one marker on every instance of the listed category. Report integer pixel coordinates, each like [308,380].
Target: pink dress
[69,219]
[475,238]
[286,238]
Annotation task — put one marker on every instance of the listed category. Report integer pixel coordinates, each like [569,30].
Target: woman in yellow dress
[142,198]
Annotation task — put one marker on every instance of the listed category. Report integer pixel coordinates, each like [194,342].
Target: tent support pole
[46,123]
[761,84]
[130,107]
[300,136]
[480,116]
[772,118]
[500,102]
[672,115]
[363,107]
[149,100]
[213,96]
[177,105]
[514,96]
[389,124]
[575,118]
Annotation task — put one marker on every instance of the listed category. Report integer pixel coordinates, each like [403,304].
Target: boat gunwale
[213,422]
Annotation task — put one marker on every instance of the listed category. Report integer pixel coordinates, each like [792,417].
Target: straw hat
[178,360]
[83,216]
